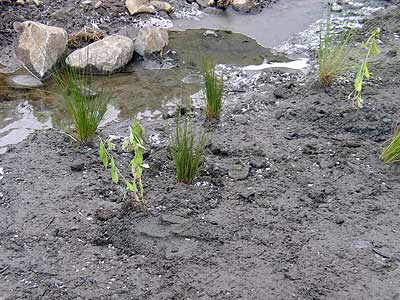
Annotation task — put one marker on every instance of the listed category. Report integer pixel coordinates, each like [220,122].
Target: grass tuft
[333,54]
[391,153]
[214,90]
[86,106]
[187,150]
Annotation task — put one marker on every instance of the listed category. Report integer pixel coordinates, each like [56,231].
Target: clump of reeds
[85,104]
[187,149]
[391,153]
[214,85]
[333,54]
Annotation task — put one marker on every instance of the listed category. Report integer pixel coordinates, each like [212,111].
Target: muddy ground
[293,203]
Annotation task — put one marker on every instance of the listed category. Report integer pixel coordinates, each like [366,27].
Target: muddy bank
[293,203]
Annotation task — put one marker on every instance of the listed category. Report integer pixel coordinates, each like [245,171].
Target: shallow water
[149,89]
[270,28]
[145,88]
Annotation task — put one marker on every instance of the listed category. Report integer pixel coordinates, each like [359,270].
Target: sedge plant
[85,104]
[391,153]
[133,143]
[214,85]
[371,48]
[187,150]
[333,53]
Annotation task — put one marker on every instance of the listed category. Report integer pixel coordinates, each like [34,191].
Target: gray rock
[244,6]
[239,171]
[40,47]
[151,40]
[105,56]
[77,166]
[129,31]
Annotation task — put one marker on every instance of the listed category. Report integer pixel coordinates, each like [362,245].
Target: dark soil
[293,203]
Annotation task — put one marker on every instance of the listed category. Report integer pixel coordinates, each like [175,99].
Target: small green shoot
[214,90]
[371,45]
[391,153]
[86,106]
[333,53]
[132,143]
[187,153]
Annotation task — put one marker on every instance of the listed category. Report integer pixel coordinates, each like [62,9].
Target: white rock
[139,6]
[150,40]
[105,56]
[39,47]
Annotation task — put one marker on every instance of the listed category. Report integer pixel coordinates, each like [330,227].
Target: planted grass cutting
[333,54]
[86,106]
[187,149]
[391,153]
[214,90]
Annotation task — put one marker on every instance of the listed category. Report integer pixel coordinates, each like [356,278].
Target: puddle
[147,89]
[16,128]
[270,28]
[300,65]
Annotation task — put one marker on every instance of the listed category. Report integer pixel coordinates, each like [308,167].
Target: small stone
[247,195]
[392,53]
[98,4]
[279,114]
[339,220]
[210,33]
[258,162]
[77,166]
[239,171]
[25,81]
[336,7]
[387,120]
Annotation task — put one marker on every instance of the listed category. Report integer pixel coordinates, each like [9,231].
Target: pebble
[25,81]
[336,7]
[77,166]
[239,171]
[210,33]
